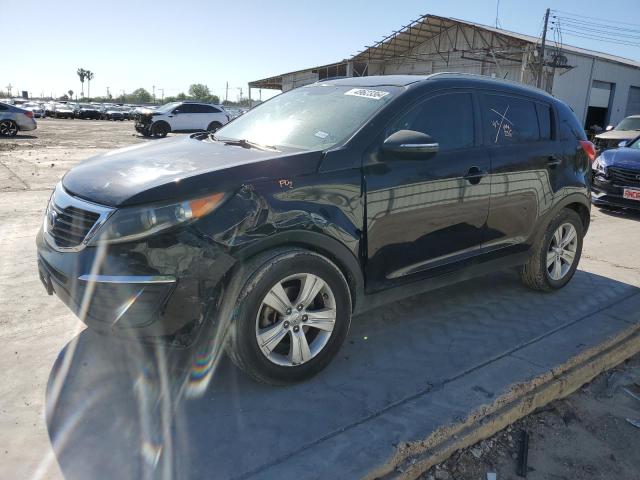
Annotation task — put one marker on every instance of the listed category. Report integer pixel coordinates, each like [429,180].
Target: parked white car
[36,108]
[181,117]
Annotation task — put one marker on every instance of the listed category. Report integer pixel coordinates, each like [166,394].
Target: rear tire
[160,129]
[310,327]
[8,128]
[557,253]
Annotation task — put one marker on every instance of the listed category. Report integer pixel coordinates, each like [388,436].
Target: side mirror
[410,144]
[609,127]
[623,143]
[176,112]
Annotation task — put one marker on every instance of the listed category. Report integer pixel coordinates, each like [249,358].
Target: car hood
[178,168]
[618,135]
[622,157]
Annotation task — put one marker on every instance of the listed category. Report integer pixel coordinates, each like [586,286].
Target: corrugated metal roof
[424,29]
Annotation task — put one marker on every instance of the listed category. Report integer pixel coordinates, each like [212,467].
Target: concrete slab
[410,371]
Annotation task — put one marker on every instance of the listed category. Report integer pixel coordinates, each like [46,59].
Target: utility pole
[9,88]
[108,93]
[154,93]
[226,93]
[542,47]
[162,90]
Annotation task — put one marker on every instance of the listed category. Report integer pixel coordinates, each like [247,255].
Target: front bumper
[607,193]
[134,289]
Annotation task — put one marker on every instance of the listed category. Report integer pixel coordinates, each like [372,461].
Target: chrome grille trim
[625,175]
[73,211]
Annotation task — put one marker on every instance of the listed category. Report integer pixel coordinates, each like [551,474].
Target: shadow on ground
[626,213]
[20,136]
[116,409]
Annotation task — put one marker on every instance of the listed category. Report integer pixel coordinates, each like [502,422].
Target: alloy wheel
[8,129]
[562,251]
[295,319]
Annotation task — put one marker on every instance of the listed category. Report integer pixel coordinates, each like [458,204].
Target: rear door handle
[553,161]
[474,175]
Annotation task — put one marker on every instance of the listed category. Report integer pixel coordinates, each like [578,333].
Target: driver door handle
[474,175]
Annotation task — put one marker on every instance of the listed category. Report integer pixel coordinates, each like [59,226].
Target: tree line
[197,91]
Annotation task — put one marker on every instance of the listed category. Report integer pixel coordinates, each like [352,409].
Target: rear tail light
[29,113]
[589,148]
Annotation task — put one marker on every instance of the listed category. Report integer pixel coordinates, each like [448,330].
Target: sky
[170,44]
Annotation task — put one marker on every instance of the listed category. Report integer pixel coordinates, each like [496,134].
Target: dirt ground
[583,437]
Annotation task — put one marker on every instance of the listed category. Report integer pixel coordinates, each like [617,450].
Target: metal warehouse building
[600,88]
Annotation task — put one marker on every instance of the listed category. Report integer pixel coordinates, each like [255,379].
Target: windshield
[167,107]
[629,123]
[309,118]
[635,144]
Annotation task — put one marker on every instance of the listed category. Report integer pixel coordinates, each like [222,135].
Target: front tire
[557,254]
[291,316]
[160,129]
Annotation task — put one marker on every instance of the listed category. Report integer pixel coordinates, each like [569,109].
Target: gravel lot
[34,327]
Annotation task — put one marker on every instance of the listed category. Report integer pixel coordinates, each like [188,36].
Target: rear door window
[208,109]
[509,120]
[447,118]
[186,108]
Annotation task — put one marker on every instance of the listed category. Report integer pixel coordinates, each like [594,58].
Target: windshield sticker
[366,93]
[503,125]
[321,134]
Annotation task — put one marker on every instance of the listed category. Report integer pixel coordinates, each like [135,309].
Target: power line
[603,33]
[574,33]
[601,20]
[594,25]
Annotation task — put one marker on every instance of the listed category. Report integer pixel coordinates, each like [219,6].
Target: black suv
[324,201]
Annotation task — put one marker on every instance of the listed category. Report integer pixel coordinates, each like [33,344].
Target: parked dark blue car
[616,177]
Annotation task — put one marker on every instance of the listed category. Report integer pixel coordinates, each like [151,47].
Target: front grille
[625,176]
[69,226]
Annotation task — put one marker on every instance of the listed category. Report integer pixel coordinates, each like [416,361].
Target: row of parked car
[91,111]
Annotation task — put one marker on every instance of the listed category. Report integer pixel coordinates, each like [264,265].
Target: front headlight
[135,223]
[599,166]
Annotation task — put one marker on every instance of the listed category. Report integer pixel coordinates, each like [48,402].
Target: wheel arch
[583,211]
[161,122]
[578,202]
[324,245]
[217,124]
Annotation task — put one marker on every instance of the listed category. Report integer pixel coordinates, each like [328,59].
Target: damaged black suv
[325,201]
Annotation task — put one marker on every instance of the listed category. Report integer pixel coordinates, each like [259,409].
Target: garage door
[633,103]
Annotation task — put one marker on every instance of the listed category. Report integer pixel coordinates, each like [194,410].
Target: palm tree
[89,75]
[82,73]
[70,92]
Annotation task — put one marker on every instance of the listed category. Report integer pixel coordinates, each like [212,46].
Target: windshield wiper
[242,142]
